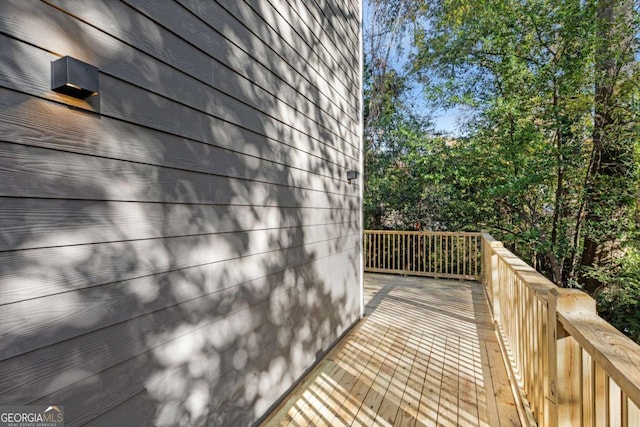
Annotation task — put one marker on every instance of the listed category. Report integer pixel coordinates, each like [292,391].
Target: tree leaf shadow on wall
[154,285]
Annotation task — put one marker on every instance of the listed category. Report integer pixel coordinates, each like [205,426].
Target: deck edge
[525,414]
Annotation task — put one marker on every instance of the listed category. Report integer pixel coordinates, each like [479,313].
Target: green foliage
[522,65]
[619,301]
[528,69]
[550,160]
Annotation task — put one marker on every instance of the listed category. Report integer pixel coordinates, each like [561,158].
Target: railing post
[551,371]
[495,280]
[564,359]
[490,273]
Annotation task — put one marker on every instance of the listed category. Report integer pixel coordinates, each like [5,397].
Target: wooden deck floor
[425,354]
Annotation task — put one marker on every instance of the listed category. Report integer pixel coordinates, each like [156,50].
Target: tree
[611,175]
[549,162]
[393,132]
[525,69]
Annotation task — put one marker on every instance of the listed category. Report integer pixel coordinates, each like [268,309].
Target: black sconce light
[74,78]
[351,175]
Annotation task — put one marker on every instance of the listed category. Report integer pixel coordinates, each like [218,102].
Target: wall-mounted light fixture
[351,175]
[74,78]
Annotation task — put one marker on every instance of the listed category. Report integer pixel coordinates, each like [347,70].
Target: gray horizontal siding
[166,369]
[104,261]
[288,45]
[24,123]
[41,223]
[180,248]
[114,311]
[26,68]
[320,39]
[332,18]
[27,171]
[268,48]
[171,49]
[238,48]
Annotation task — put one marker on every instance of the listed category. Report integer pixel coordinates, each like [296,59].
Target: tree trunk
[605,201]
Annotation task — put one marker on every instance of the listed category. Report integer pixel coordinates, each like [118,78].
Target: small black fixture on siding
[74,78]
[351,175]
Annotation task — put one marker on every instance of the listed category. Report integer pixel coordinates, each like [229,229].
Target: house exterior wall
[179,249]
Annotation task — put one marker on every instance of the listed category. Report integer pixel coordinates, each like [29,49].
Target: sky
[446,121]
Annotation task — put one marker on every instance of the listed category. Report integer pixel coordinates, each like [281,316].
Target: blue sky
[445,121]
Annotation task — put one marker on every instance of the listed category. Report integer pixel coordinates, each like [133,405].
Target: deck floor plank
[397,380]
[447,406]
[428,412]
[408,408]
[376,392]
[350,407]
[426,344]
[334,388]
[467,398]
[344,403]
[426,353]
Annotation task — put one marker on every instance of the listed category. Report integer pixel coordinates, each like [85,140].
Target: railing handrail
[621,365]
[577,353]
[573,367]
[428,232]
[443,254]
[525,272]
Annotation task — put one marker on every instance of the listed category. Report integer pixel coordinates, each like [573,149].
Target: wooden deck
[425,354]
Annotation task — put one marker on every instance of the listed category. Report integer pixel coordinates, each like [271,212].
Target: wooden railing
[574,368]
[571,367]
[423,253]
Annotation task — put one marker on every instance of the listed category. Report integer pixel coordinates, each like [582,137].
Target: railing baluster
[369,251]
[474,257]
[552,335]
[465,271]
[446,254]
[407,261]
[588,382]
[401,252]
[440,254]
[385,249]
[414,252]
[394,257]
[379,253]
[615,404]
[370,246]
[455,254]
[417,253]
[396,252]
[429,251]
[367,237]
[452,252]
[458,270]
[376,246]
[390,252]
[601,396]
[423,253]
[633,413]
[398,259]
